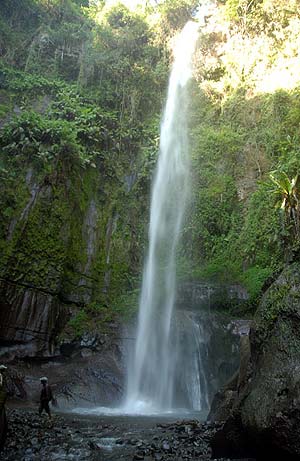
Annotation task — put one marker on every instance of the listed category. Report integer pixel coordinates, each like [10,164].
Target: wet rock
[89,340]
[59,455]
[75,439]
[224,400]
[131,441]
[31,310]
[138,456]
[166,446]
[93,445]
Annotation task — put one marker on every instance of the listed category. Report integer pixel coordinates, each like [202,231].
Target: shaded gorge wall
[210,336]
[91,370]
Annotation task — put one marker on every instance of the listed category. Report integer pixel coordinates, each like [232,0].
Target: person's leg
[41,408]
[47,409]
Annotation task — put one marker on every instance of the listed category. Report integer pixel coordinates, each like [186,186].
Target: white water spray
[151,378]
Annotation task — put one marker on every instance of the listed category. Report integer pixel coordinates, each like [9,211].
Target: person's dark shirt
[46,393]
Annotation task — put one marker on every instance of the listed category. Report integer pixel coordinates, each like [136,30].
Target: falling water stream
[152,375]
[166,373]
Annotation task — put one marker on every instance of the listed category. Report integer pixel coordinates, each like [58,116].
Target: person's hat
[43,379]
[3,367]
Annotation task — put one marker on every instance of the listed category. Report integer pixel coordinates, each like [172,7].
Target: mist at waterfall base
[165,373]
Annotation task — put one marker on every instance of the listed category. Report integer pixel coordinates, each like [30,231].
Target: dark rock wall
[272,405]
[210,295]
[29,319]
[87,372]
[264,417]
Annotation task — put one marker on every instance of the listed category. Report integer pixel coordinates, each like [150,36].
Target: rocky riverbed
[73,437]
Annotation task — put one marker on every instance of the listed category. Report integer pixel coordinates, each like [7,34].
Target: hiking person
[45,397]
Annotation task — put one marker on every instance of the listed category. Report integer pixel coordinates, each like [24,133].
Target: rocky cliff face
[92,371]
[264,415]
[68,238]
[209,295]
[30,321]
[63,248]
[200,318]
[87,372]
[215,339]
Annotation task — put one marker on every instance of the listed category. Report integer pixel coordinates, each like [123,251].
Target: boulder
[223,400]
[264,418]
[226,397]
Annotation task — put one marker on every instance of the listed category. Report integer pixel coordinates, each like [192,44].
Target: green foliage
[239,10]
[96,316]
[218,269]
[254,279]
[79,133]
[259,243]
[72,132]
[36,252]
[33,139]
[214,192]
[237,139]
[216,206]
[126,305]
[25,83]
[255,16]
[287,194]
[116,56]
[175,13]
[279,299]
[79,323]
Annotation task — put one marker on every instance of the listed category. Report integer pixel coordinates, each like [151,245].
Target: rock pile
[75,438]
[183,440]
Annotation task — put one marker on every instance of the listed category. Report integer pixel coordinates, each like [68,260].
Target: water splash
[193,354]
[151,378]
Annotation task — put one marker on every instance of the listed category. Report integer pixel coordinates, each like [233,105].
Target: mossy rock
[266,412]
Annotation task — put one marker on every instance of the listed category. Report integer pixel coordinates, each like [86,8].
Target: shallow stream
[100,438]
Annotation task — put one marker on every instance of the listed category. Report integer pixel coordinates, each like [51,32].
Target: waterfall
[193,357]
[152,375]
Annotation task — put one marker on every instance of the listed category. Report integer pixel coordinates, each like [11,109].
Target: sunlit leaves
[287,193]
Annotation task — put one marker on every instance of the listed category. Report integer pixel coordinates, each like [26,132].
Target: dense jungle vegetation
[82,86]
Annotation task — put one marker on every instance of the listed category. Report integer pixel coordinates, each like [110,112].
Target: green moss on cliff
[279,302]
[80,95]
[68,215]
